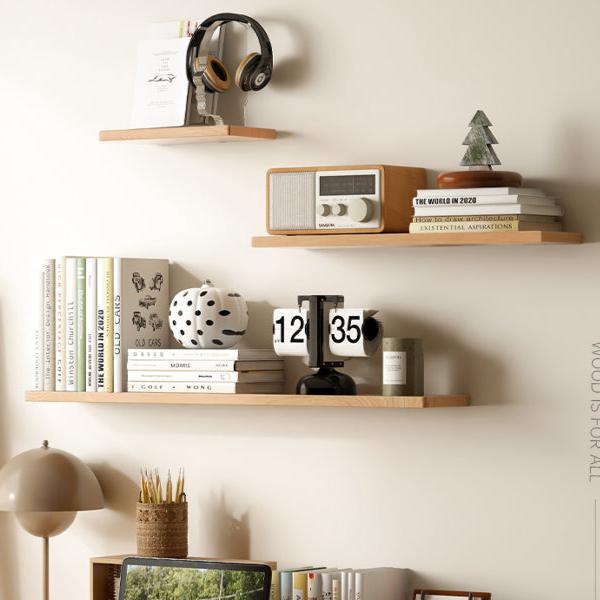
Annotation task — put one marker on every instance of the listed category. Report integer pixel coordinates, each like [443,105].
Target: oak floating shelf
[390,240]
[438,401]
[189,134]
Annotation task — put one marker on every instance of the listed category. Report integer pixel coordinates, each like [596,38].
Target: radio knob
[338,209]
[323,210]
[360,210]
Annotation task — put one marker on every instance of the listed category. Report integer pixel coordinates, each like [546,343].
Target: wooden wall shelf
[189,134]
[253,399]
[390,240]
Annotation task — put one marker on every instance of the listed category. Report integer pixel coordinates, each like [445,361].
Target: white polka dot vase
[208,317]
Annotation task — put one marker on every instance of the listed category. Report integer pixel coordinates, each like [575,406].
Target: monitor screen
[156,579]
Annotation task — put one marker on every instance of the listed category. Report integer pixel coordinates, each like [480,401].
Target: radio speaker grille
[292,200]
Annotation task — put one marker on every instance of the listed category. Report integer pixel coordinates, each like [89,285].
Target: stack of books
[89,312]
[484,210]
[233,371]
[382,583]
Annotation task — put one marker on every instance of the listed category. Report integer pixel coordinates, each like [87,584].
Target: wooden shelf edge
[191,133]
[433,401]
[386,240]
[118,559]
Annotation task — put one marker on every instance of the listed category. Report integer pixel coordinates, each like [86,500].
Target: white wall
[493,497]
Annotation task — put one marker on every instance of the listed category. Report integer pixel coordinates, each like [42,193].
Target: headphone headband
[199,40]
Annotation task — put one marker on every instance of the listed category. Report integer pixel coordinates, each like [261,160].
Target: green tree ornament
[479,141]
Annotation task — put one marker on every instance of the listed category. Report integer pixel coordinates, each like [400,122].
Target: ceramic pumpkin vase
[208,317]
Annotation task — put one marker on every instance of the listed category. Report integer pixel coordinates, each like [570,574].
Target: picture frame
[426,594]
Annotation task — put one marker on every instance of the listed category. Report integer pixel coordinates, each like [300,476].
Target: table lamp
[45,488]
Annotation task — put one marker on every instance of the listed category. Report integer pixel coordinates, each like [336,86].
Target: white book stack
[484,210]
[242,371]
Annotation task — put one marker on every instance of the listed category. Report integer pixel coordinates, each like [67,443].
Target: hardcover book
[71,323]
[59,325]
[214,376]
[91,321]
[489,209]
[141,310]
[204,388]
[49,332]
[184,354]
[81,324]
[481,226]
[204,365]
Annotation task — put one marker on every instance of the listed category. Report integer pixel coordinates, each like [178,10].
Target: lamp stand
[46,570]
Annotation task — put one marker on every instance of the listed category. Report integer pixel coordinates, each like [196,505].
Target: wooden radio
[356,199]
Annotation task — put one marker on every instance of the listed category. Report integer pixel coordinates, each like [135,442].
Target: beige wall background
[493,497]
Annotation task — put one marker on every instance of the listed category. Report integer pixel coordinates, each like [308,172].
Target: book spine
[489,209]
[181,354]
[472,226]
[91,320]
[358,586]
[326,579]
[285,585]
[275,593]
[100,327]
[80,328]
[59,325]
[299,585]
[182,387]
[71,323]
[37,383]
[336,589]
[108,299]
[49,332]
[173,365]
[458,200]
[184,376]
[467,218]
[312,587]
[117,337]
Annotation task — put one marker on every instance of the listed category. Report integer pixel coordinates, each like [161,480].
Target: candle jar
[403,367]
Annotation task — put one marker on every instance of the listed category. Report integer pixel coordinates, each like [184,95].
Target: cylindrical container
[162,530]
[403,367]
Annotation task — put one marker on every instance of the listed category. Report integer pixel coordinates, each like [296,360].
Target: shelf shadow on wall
[581,203]
[9,564]
[120,495]
[222,534]
[468,369]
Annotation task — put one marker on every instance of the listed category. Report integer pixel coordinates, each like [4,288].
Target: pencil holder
[162,530]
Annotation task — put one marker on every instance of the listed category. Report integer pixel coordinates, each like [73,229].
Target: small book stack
[484,210]
[310,583]
[234,371]
[89,312]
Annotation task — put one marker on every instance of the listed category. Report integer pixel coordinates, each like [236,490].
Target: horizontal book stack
[89,312]
[232,371]
[383,583]
[484,210]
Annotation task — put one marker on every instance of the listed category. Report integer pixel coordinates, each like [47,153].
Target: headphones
[252,74]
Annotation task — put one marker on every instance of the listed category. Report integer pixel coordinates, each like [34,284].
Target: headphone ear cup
[245,70]
[216,77]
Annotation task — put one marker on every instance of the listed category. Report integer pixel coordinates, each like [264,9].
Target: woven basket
[162,530]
